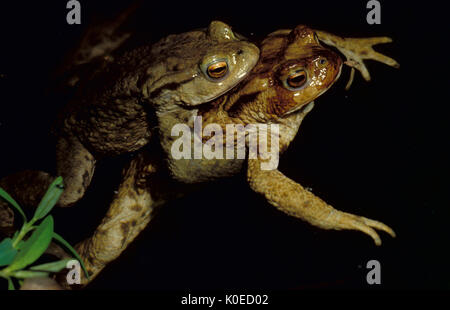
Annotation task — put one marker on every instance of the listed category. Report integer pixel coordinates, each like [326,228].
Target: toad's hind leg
[291,198]
[128,214]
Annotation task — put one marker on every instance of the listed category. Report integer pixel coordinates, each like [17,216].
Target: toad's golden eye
[217,70]
[296,79]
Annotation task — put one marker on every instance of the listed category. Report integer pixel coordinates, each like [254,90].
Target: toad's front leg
[291,198]
[356,50]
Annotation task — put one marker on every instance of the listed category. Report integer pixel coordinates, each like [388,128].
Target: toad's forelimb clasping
[356,50]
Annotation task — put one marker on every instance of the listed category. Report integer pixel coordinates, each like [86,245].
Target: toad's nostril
[239,52]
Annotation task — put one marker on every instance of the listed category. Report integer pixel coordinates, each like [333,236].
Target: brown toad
[110,112]
[293,70]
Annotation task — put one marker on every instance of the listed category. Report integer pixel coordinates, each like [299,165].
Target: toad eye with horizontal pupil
[217,70]
[296,79]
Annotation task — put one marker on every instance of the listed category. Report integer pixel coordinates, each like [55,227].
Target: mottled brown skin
[262,98]
[117,115]
[111,112]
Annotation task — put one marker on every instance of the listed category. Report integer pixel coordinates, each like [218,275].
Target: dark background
[377,150]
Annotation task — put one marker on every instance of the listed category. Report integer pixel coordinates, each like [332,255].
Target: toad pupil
[217,70]
[297,79]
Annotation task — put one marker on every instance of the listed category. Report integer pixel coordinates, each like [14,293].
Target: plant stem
[27,227]
[4,274]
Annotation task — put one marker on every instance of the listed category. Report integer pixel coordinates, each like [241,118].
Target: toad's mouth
[220,98]
[231,89]
[303,109]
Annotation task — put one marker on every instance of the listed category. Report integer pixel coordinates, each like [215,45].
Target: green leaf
[52,267]
[23,274]
[9,199]
[11,285]
[7,252]
[50,199]
[35,246]
[72,250]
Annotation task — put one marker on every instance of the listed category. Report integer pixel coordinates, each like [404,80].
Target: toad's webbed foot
[341,220]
